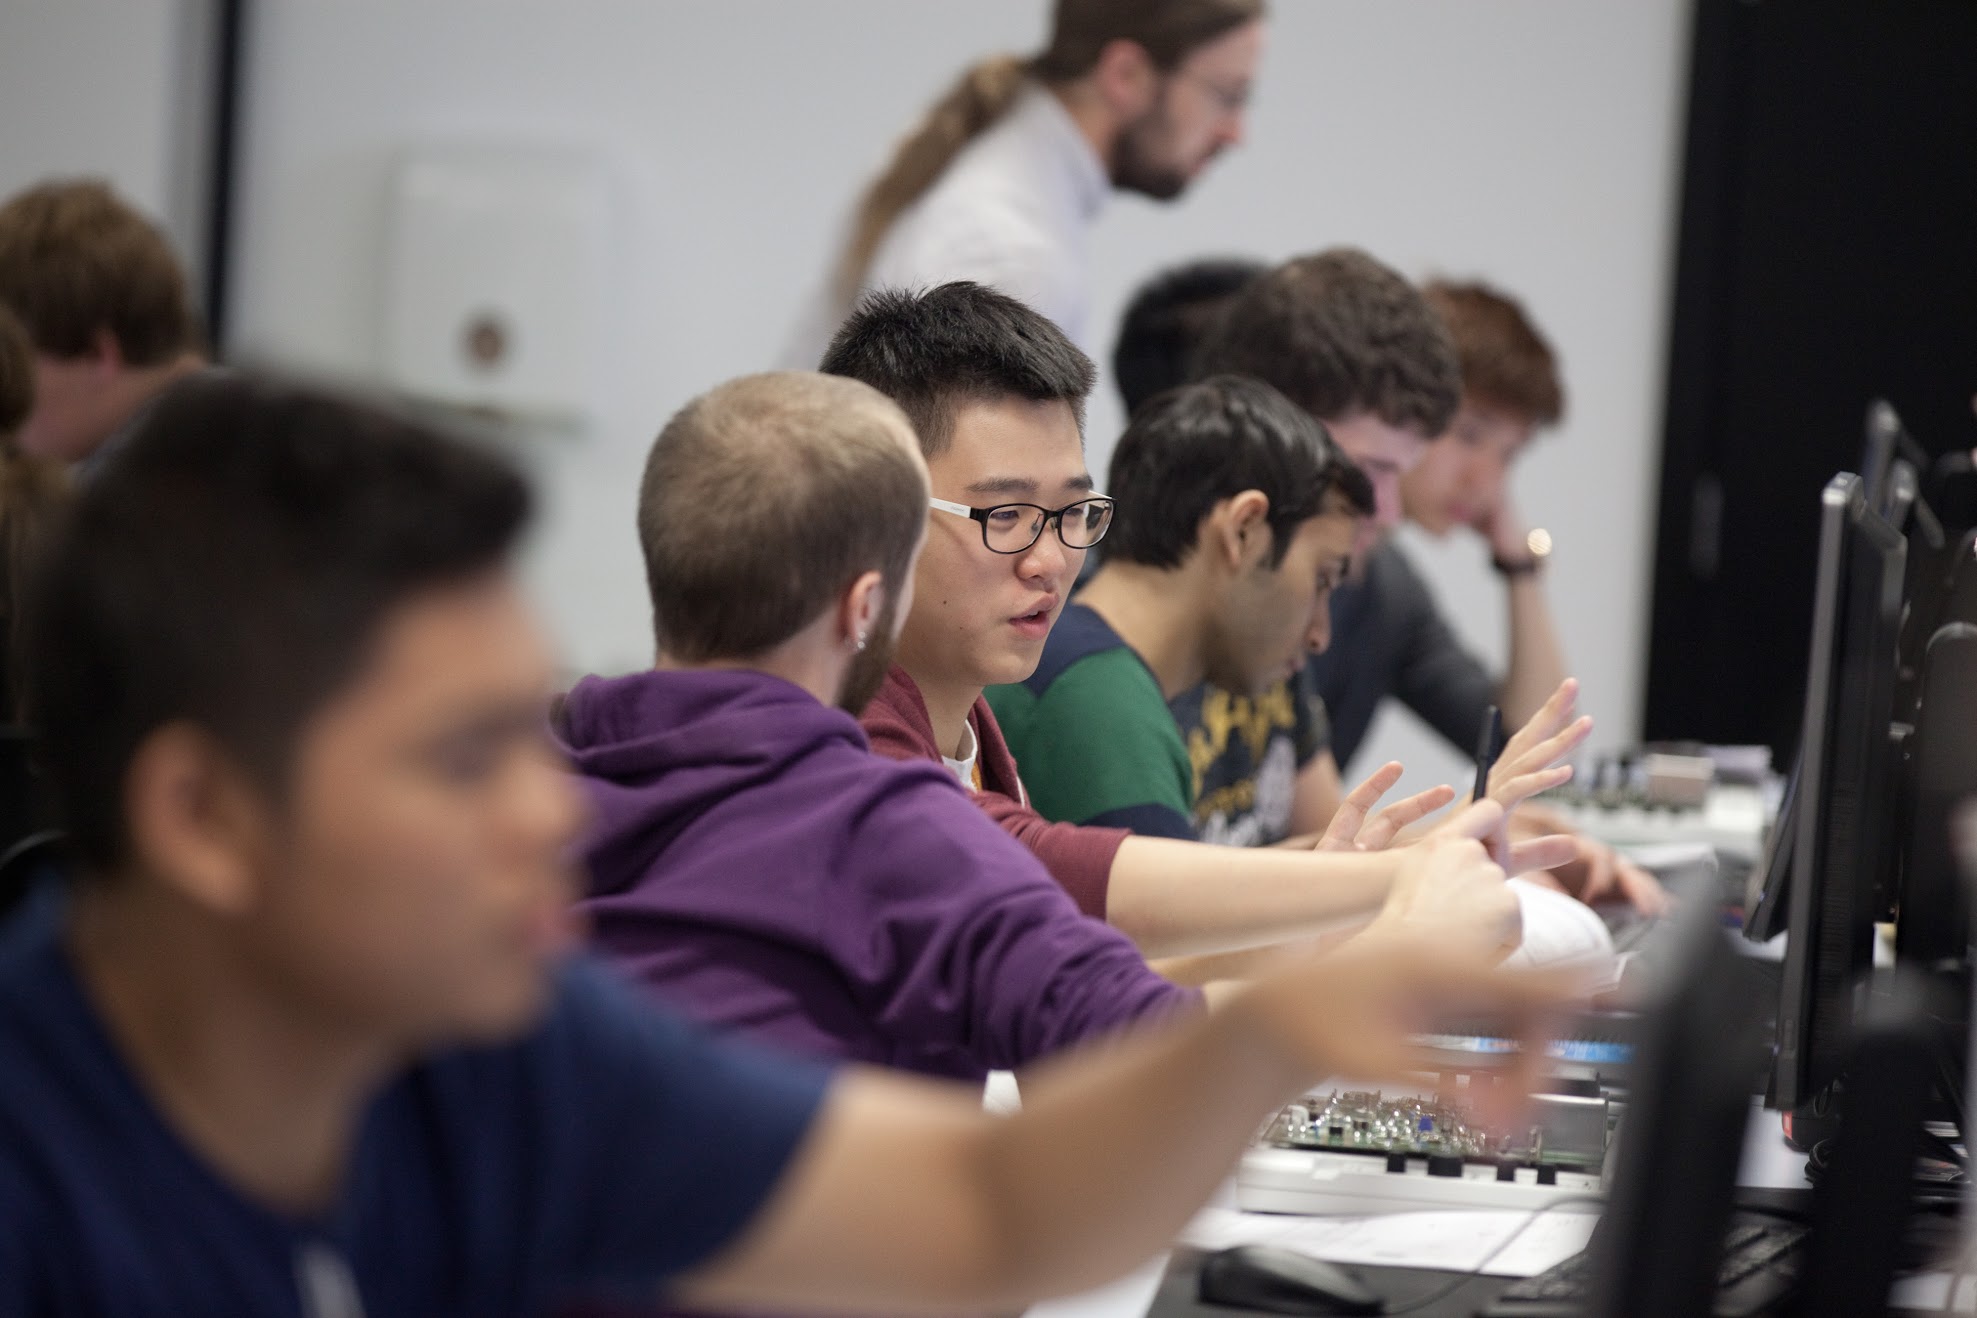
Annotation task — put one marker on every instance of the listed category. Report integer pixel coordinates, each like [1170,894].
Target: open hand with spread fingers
[1357,828]
[1531,759]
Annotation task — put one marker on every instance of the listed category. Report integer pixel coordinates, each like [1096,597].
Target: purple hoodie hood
[754,863]
[660,749]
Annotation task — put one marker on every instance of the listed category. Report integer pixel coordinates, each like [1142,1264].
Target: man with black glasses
[1238,517]
[996,395]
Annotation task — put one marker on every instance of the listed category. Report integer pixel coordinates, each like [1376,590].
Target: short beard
[868,669]
[1136,165]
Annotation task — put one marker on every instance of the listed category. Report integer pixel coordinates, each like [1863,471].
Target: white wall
[1532,142]
[97,87]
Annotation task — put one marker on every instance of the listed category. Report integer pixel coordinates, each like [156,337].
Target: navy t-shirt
[1389,638]
[608,1150]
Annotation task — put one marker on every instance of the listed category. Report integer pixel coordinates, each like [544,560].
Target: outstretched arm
[1177,898]
[907,1197]
[1429,901]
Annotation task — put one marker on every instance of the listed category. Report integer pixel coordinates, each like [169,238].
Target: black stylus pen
[1488,746]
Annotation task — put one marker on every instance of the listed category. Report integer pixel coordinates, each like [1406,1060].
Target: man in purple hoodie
[753,861]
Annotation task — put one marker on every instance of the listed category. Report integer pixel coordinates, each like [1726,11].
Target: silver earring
[859,644]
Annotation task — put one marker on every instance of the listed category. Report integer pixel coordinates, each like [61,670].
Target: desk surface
[1770,1173]
[1426,1292]
[1403,1288]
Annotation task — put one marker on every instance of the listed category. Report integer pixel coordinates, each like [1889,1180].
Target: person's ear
[1240,529]
[196,820]
[1125,78]
[859,610]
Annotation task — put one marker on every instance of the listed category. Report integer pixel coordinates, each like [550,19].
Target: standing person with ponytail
[1002,179]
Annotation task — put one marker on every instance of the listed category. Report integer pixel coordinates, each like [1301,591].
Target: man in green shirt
[1236,516]
[1257,777]
[995,393]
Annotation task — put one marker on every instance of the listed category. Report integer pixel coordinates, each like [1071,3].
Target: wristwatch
[1538,542]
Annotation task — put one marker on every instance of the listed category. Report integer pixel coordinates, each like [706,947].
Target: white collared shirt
[964,768]
[1013,210]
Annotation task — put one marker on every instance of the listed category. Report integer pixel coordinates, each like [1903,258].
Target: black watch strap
[1528,567]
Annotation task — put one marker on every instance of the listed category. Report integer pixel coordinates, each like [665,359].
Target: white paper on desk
[1222,1228]
[1129,1295]
[1455,1241]
[1563,933]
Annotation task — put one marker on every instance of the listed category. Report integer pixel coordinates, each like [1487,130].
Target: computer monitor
[1932,922]
[1939,700]
[1767,898]
[1841,853]
[1670,1193]
[1770,878]
[1674,1167]
[1892,477]
[1892,467]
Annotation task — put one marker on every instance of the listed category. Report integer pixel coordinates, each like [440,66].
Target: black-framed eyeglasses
[1011,528]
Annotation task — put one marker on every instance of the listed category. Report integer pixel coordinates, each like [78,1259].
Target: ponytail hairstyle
[980,97]
[1168,30]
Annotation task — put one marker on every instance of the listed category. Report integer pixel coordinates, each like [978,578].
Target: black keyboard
[1760,1264]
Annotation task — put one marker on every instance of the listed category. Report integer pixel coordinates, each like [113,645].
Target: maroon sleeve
[1078,857]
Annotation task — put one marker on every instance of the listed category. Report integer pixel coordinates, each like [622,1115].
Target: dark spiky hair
[231,566]
[933,351]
